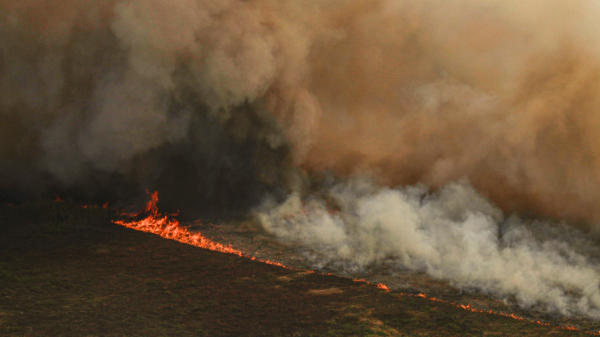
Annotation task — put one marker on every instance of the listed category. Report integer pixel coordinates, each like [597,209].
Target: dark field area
[66,270]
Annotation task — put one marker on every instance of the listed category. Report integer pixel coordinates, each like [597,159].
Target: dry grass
[68,271]
[330,291]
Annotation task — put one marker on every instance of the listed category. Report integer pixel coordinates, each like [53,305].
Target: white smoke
[454,234]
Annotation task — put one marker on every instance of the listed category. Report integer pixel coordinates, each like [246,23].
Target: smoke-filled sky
[226,99]
[502,92]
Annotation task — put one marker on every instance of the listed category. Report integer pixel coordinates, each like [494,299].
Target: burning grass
[93,277]
[168,228]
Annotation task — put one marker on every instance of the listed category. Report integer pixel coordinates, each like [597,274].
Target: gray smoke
[453,234]
[202,100]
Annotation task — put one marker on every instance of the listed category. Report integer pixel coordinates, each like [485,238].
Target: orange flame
[160,224]
[383,287]
[468,307]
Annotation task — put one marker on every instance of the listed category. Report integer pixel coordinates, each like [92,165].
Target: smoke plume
[502,92]
[454,234]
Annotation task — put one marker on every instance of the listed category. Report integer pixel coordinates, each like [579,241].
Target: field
[66,270]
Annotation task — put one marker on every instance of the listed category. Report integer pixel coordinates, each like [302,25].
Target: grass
[68,271]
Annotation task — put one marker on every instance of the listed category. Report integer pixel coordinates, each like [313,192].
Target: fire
[169,228]
[468,307]
[383,287]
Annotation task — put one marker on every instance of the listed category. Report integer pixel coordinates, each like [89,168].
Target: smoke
[501,92]
[100,94]
[453,234]
[218,104]
[201,100]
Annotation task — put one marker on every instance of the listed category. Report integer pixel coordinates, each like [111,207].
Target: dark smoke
[103,100]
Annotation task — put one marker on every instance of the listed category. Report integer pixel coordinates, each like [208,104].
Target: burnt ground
[68,271]
[248,237]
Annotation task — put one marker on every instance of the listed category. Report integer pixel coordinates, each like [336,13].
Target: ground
[66,270]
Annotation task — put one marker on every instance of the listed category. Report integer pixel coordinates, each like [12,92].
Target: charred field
[441,151]
[68,270]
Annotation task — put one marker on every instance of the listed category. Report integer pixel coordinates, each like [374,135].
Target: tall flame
[169,228]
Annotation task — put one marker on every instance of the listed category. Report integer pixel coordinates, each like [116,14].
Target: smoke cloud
[502,92]
[453,234]
[201,100]
[110,97]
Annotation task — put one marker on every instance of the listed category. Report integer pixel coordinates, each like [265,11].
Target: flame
[500,313]
[169,228]
[383,287]
[57,198]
